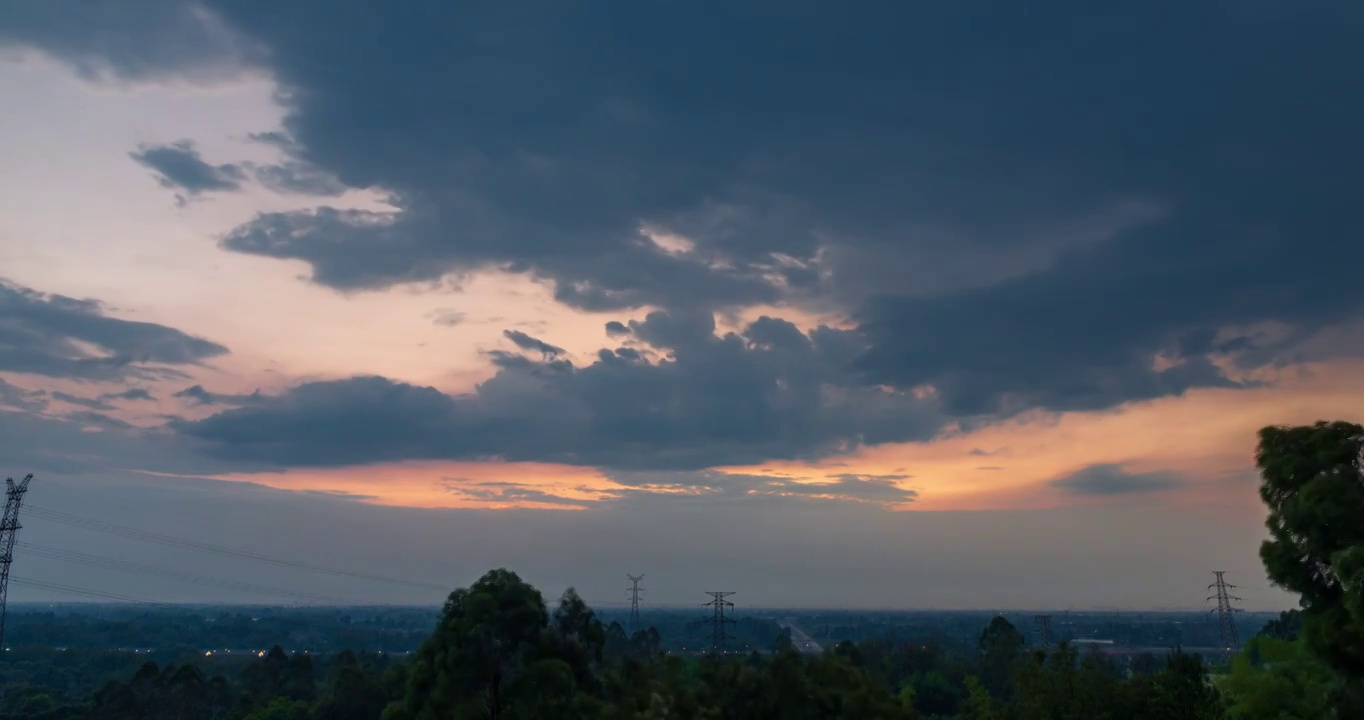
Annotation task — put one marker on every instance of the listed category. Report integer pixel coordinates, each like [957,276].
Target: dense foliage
[498,651]
[1313,485]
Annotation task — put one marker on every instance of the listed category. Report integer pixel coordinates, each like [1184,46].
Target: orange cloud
[1208,435]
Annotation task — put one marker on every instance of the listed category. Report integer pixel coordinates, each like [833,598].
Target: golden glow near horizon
[1206,437]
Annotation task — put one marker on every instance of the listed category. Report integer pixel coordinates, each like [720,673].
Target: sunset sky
[973,304]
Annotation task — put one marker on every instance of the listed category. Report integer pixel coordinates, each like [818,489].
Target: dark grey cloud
[13,396]
[178,166]
[683,142]
[95,403]
[101,402]
[47,334]
[526,342]
[448,317]
[130,39]
[701,401]
[1110,479]
[91,419]
[1019,224]
[505,492]
[297,178]
[89,442]
[200,396]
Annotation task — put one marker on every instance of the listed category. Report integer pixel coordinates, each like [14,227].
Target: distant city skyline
[917,305]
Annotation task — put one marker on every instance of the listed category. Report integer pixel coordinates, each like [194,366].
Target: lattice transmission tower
[634,591]
[718,621]
[9,530]
[1044,630]
[1226,614]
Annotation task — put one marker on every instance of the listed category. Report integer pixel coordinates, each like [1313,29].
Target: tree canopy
[1312,484]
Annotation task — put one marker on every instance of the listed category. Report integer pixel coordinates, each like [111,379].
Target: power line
[86,559]
[185,544]
[1226,614]
[634,591]
[9,530]
[718,621]
[85,592]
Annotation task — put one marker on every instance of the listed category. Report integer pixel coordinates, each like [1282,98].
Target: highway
[802,641]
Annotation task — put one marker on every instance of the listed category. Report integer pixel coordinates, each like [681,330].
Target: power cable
[185,544]
[86,559]
[86,592]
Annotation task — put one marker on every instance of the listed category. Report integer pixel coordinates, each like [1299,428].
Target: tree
[353,691]
[1182,692]
[979,704]
[1287,627]
[1279,679]
[1001,647]
[478,646]
[1312,484]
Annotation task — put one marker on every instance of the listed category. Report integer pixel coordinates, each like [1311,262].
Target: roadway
[804,643]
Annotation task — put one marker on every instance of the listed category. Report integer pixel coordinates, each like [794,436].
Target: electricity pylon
[9,530]
[1226,614]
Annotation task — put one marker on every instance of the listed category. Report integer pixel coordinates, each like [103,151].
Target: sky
[953,305]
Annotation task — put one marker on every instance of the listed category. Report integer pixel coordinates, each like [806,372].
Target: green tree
[1312,484]
[486,637]
[1274,679]
[979,703]
[352,692]
[1287,627]
[1001,648]
[1182,692]
[281,708]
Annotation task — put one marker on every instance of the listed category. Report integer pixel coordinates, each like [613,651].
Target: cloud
[13,396]
[712,400]
[1104,480]
[101,402]
[874,489]
[89,442]
[447,317]
[1099,217]
[506,492]
[297,179]
[705,486]
[526,342]
[137,40]
[200,396]
[92,403]
[58,336]
[87,418]
[489,184]
[178,166]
